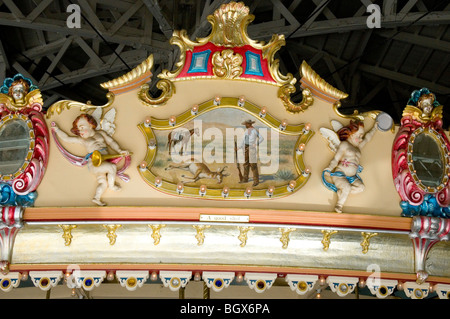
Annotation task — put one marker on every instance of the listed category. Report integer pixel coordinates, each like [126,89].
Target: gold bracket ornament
[365,242]
[67,235]
[60,106]
[200,233]
[327,238]
[285,236]
[243,234]
[284,93]
[167,88]
[112,233]
[156,233]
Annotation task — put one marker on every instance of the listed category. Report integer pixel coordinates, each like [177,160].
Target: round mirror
[15,142]
[428,159]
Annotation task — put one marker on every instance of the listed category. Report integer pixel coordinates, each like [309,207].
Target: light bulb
[241,101]
[263,112]
[301,149]
[225,191]
[180,188]
[148,121]
[291,185]
[283,125]
[306,172]
[152,144]
[270,190]
[307,128]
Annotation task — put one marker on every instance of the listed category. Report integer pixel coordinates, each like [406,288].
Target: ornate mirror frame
[19,189]
[422,115]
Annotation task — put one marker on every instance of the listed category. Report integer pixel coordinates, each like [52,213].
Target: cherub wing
[34,96]
[412,110]
[336,125]
[97,115]
[437,112]
[107,122]
[332,138]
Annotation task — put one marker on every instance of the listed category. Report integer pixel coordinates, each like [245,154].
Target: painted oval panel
[226,147]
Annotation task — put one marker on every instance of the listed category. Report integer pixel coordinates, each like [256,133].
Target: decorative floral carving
[227,64]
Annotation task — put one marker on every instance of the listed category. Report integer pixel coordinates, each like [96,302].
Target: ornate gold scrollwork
[285,236]
[243,234]
[284,93]
[67,235]
[67,104]
[167,88]
[156,233]
[112,233]
[227,64]
[365,242]
[200,233]
[139,71]
[327,238]
[355,115]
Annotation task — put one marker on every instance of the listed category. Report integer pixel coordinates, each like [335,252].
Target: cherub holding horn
[95,134]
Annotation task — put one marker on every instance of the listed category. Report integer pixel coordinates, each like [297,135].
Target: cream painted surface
[67,185]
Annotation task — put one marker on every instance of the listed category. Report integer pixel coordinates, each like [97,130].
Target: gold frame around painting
[167,187]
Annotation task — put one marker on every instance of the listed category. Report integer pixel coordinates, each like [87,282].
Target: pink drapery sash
[80,161]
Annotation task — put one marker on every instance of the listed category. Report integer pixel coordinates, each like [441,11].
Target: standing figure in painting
[93,139]
[346,142]
[249,144]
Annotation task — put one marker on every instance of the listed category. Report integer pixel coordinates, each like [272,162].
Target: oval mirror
[15,142]
[428,160]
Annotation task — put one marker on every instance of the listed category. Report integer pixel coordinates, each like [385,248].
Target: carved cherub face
[356,138]
[85,129]
[18,92]
[426,103]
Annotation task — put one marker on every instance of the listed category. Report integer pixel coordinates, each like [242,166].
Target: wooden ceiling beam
[360,23]
[156,11]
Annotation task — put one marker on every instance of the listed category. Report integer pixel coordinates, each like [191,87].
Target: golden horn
[97,157]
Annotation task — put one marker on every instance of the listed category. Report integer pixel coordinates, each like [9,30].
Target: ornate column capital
[10,223]
[425,232]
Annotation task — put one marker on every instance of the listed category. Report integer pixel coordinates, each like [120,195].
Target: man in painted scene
[249,144]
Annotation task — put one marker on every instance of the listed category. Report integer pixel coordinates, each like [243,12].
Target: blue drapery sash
[350,179]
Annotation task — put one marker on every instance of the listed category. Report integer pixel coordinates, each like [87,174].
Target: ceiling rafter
[360,23]
[128,36]
[334,39]
[156,11]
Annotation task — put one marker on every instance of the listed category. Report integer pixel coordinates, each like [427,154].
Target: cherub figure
[344,168]
[94,138]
